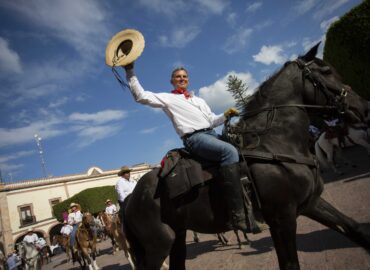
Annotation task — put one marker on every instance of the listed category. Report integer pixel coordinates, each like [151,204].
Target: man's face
[74,208]
[126,175]
[180,80]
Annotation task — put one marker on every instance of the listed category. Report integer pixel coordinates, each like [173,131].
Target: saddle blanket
[180,173]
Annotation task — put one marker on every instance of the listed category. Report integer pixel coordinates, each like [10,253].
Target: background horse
[274,129]
[325,148]
[29,255]
[45,255]
[86,241]
[109,223]
[63,241]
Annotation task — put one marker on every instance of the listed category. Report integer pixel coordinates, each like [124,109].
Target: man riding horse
[193,121]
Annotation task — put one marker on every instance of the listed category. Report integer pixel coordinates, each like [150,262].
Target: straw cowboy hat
[108,200]
[73,204]
[30,230]
[123,170]
[124,48]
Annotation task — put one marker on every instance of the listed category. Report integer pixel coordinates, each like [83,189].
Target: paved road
[318,247]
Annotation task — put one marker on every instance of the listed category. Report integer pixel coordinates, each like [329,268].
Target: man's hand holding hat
[231,112]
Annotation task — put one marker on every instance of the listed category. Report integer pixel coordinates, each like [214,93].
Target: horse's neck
[31,251]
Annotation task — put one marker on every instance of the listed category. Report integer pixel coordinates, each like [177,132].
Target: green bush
[91,200]
[347,48]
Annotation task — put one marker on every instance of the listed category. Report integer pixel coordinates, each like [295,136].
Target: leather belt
[184,137]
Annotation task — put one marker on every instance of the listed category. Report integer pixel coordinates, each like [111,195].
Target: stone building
[28,204]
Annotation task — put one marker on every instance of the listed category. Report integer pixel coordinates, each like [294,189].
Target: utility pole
[41,153]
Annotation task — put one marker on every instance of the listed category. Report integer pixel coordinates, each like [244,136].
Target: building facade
[28,204]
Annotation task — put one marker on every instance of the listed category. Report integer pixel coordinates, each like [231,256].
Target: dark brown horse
[86,241]
[274,132]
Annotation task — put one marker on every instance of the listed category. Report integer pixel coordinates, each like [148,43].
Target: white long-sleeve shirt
[74,217]
[32,239]
[124,187]
[187,115]
[111,210]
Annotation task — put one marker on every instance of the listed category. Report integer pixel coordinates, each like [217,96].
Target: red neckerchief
[181,91]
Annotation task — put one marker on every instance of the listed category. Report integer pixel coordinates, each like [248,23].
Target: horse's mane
[264,85]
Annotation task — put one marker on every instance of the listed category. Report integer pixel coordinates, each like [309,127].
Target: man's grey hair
[177,69]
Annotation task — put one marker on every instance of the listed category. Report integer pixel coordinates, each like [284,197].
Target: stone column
[5,224]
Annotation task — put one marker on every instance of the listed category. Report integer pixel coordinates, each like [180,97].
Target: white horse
[324,148]
[30,256]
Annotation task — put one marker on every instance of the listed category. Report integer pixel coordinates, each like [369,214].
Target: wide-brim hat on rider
[73,205]
[124,48]
[123,170]
[30,230]
[108,200]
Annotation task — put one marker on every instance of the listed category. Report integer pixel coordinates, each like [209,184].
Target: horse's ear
[311,54]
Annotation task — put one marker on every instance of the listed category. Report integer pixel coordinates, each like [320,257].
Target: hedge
[91,200]
[347,48]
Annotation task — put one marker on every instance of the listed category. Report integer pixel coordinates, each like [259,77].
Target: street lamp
[41,153]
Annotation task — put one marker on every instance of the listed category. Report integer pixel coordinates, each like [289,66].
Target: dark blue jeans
[72,236]
[210,146]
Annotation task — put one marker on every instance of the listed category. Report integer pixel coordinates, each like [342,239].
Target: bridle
[335,97]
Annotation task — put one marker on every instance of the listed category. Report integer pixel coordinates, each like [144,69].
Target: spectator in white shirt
[66,229]
[74,219]
[31,237]
[111,208]
[194,121]
[125,185]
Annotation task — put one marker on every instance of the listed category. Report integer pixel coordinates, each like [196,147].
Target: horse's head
[88,219]
[320,83]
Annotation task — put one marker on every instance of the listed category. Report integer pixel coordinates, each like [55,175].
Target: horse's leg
[178,251]
[238,238]
[246,238]
[93,256]
[195,237]
[222,238]
[283,226]
[327,215]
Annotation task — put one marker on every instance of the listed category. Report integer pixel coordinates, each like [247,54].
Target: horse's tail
[134,249]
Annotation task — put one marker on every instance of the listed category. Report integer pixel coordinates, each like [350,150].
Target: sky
[55,83]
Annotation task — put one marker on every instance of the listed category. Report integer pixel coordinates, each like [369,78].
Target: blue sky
[54,81]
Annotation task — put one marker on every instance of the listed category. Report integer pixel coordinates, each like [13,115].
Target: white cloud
[59,102]
[304,6]
[148,130]
[14,156]
[9,59]
[238,41]
[91,134]
[324,25]
[171,8]
[231,18]
[254,6]
[213,6]
[79,23]
[180,37]
[270,55]
[167,7]
[327,7]
[98,117]
[217,96]
[47,128]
